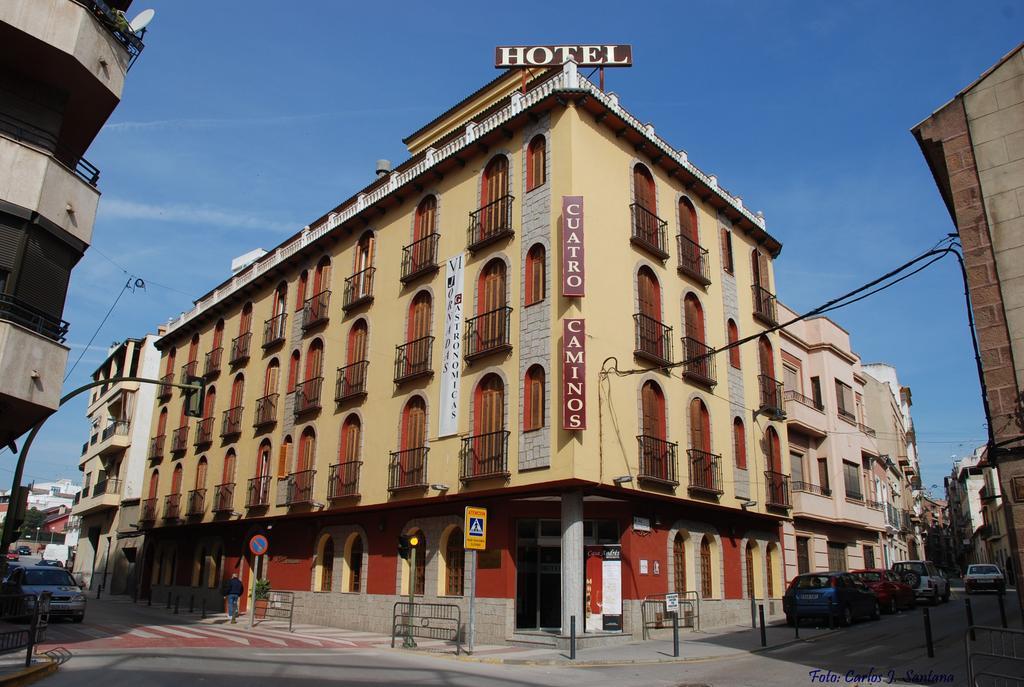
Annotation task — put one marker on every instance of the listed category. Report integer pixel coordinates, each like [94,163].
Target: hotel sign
[573,276]
[451,355]
[574,375]
[556,55]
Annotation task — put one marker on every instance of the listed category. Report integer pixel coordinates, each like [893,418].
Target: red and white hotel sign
[556,55]
[573,276]
[574,375]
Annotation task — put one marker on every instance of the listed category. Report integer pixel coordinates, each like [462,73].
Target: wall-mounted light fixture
[623,479]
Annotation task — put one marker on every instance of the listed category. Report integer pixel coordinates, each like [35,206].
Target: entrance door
[550,587]
[539,576]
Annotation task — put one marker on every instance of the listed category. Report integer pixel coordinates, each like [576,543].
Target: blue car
[829,594]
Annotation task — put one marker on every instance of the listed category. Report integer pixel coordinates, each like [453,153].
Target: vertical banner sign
[611,589]
[574,375]
[451,356]
[573,276]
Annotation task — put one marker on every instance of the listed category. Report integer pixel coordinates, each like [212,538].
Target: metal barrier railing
[995,658]
[36,609]
[427,620]
[278,606]
[655,616]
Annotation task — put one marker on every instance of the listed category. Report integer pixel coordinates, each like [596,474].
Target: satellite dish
[141,20]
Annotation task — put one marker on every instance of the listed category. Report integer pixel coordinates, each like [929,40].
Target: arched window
[455,568]
[176,479]
[293,370]
[357,342]
[209,403]
[656,455]
[218,335]
[739,443]
[355,564]
[651,334]
[300,294]
[193,351]
[237,390]
[322,276]
[245,321]
[700,426]
[263,459]
[694,315]
[161,423]
[533,398]
[489,330]
[679,562]
[491,288]
[201,473]
[699,364]
[418,326]
[414,425]
[490,439]
[284,456]
[154,483]
[688,220]
[704,469]
[280,300]
[706,586]
[351,431]
[648,293]
[536,154]
[652,403]
[773,452]
[327,564]
[361,283]
[271,377]
[751,589]
[307,451]
[314,359]
[733,333]
[759,268]
[171,355]
[643,188]
[535,277]
[495,181]
[646,224]
[691,257]
[728,263]
[425,223]
[765,357]
[228,473]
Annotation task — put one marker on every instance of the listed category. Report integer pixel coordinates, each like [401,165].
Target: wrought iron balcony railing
[657,460]
[343,481]
[164,390]
[240,348]
[803,400]
[212,365]
[196,504]
[224,498]
[809,488]
[25,132]
[156,447]
[275,330]
[351,381]
[204,431]
[488,333]
[408,469]
[867,430]
[699,362]
[300,487]
[259,492]
[266,411]
[189,369]
[484,456]
[358,289]
[770,397]
[231,424]
[648,231]
[847,415]
[705,471]
[172,506]
[777,489]
[419,258]
[316,310]
[653,340]
[307,395]
[490,223]
[147,512]
[693,260]
[118,427]
[109,485]
[413,359]
[765,305]
[179,439]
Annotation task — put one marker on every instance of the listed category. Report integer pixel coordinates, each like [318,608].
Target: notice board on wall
[603,588]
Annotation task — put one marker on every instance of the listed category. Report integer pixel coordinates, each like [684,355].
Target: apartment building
[113,465]
[424,347]
[63,65]
[978,514]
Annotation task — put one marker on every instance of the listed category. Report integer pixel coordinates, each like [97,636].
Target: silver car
[984,576]
[66,597]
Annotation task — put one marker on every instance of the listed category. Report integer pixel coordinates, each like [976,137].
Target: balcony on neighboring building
[490,224]
[343,480]
[693,260]
[307,396]
[657,461]
[147,510]
[488,333]
[419,258]
[653,340]
[648,231]
[484,456]
[777,489]
[413,359]
[266,411]
[231,423]
[212,365]
[104,495]
[275,330]
[699,362]
[300,487]
[43,142]
[806,414]
[259,492]
[156,448]
[705,472]
[867,430]
[808,488]
[358,289]
[179,439]
[240,348]
[189,369]
[196,503]
[765,305]
[408,469]
[163,391]
[172,507]
[204,432]
[316,309]
[351,381]
[224,498]
[770,397]
[114,438]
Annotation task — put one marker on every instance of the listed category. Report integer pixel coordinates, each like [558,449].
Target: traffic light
[405,546]
[195,398]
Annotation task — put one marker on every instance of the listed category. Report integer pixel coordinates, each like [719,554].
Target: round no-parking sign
[258,544]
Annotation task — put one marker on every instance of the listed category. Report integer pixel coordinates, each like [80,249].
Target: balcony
[805,414]
[808,488]
[867,430]
[351,381]
[408,469]
[266,411]
[699,362]
[212,364]
[419,258]
[204,432]
[196,503]
[231,424]
[300,487]
[765,306]
[488,333]
[776,489]
[14,310]
[770,397]
[484,456]
[358,289]
[259,492]
[343,480]
[156,448]
[163,392]
[114,437]
[489,224]
[275,330]
[189,369]
[657,461]
[693,260]
[316,310]
[147,511]
[653,340]
[224,498]
[845,414]
[413,359]
[115,26]
[179,440]
[172,507]
[705,472]
[873,505]
[307,395]
[105,495]
[648,231]
[240,348]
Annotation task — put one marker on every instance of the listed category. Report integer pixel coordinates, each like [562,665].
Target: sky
[242,122]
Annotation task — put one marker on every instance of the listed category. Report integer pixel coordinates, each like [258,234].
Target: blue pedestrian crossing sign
[475,529]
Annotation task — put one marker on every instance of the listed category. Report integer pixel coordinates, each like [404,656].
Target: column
[572,560]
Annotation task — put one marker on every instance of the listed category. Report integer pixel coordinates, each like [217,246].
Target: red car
[13,556]
[892,593]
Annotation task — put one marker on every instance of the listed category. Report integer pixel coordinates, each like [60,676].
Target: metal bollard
[1002,611]
[796,622]
[831,620]
[168,601]
[928,633]
[760,613]
[572,638]
[970,617]
[98,590]
[204,609]
[177,601]
[149,599]
[675,634]
[753,611]
[191,602]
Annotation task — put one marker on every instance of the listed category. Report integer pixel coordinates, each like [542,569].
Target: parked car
[984,576]
[925,579]
[66,597]
[829,594]
[891,591]
[13,556]
[50,564]
[24,551]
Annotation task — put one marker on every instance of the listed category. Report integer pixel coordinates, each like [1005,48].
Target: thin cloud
[116,208]
[220,123]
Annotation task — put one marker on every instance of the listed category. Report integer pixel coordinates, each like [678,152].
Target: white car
[984,576]
[925,579]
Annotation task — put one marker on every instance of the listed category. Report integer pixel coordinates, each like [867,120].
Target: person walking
[233,590]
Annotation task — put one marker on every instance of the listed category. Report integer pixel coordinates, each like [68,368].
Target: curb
[34,673]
